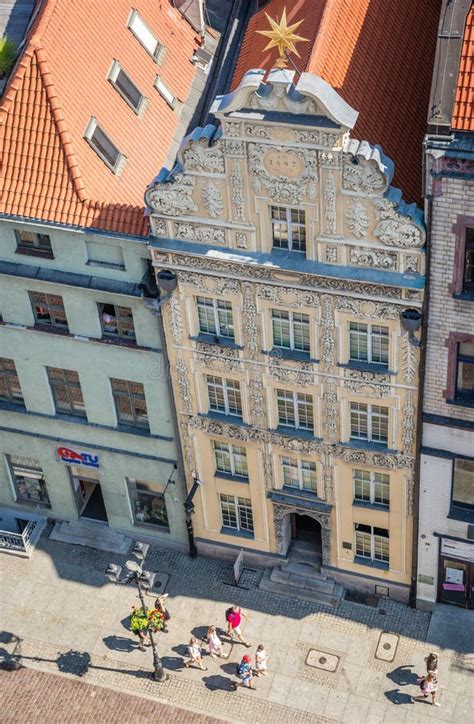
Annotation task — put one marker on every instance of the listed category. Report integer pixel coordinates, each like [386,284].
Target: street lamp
[144,581]
[189,510]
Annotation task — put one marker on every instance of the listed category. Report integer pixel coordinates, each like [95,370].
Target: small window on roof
[144,35]
[165,92]
[126,87]
[103,146]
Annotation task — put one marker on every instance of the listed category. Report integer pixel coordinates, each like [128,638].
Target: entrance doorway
[88,495]
[306,535]
[456,582]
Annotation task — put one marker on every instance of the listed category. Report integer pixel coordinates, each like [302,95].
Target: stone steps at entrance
[301,568]
[302,581]
[302,593]
[92,535]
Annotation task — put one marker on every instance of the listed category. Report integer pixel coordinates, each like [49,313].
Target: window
[148,503]
[295,410]
[126,87]
[129,398]
[29,481]
[463,483]
[116,321]
[369,422]
[288,228]
[299,474]
[372,543]
[368,343]
[215,317]
[165,92]
[468,278]
[230,459]
[10,390]
[103,146]
[236,513]
[28,242]
[66,390]
[371,487]
[49,310]
[290,330]
[144,35]
[224,396]
[465,372]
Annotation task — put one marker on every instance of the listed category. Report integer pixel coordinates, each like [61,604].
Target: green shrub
[7,55]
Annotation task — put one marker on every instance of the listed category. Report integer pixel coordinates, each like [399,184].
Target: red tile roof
[463,111]
[49,171]
[378,54]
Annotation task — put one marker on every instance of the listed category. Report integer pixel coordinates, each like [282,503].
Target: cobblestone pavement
[58,613]
[53,698]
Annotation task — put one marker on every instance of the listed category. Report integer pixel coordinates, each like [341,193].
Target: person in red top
[234,619]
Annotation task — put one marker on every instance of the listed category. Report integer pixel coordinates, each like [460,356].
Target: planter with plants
[146,619]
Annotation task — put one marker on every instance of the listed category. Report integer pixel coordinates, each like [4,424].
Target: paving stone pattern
[58,613]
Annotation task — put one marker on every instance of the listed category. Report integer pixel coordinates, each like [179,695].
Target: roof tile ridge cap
[322,45]
[15,81]
[60,122]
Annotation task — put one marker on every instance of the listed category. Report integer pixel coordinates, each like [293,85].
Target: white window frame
[237,505]
[88,134]
[370,335]
[165,92]
[373,537]
[112,76]
[369,413]
[295,409]
[224,382]
[215,309]
[372,483]
[291,323]
[132,26]
[231,452]
[299,466]
[289,224]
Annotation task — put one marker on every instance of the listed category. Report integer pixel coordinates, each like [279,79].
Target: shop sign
[78,457]
[457,549]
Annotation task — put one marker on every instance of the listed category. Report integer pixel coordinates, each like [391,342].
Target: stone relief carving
[249,311]
[183,384]
[408,428]
[330,403]
[330,160]
[328,477]
[205,234]
[257,131]
[328,343]
[411,264]
[237,189]
[232,129]
[159,227]
[212,199]
[367,384]
[331,254]
[377,259]
[173,198]
[330,204]
[187,445]
[288,297]
[204,159]
[234,148]
[362,176]
[175,318]
[357,219]
[268,470]
[241,240]
[257,401]
[215,285]
[366,309]
[302,375]
[283,187]
[219,361]
[379,460]
[410,487]
[409,359]
[280,512]
[394,229]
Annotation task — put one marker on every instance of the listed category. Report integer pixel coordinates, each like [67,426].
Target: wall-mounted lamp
[167,282]
[411,322]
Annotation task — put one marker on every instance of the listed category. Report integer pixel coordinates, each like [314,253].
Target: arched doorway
[306,531]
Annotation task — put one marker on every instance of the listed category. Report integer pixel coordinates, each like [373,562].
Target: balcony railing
[22,542]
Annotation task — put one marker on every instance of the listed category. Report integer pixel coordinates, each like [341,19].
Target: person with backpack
[245,673]
[428,685]
[233,616]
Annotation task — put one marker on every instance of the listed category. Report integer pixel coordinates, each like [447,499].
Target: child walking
[429,685]
[194,653]
[261,658]
[244,672]
[214,644]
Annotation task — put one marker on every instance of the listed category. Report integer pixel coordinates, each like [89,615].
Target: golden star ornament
[283,37]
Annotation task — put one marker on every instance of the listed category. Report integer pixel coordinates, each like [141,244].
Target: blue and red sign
[76,457]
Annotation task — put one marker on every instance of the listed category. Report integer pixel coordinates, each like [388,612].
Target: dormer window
[144,35]
[288,228]
[126,87]
[165,92]
[103,146]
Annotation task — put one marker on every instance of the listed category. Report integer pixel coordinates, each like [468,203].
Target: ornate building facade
[295,383]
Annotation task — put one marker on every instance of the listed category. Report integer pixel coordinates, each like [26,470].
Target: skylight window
[144,35]
[165,92]
[103,146]
[126,87]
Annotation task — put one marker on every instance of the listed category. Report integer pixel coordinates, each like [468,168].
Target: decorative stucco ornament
[203,159]
[395,229]
[362,176]
[286,175]
[183,384]
[408,430]
[173,198]
[330,204]
[370,258]
[330,422]
[212,200]
[366,309]
[249,310]
[328,344]
[204,234]
[409,359]
[237,188]
[357,219]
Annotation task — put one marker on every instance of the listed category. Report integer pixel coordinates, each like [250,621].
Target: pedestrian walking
[194,653]
[214,644]
[245,673]
[431,662]
[160,605]
[428,685]
[233,617]
[143,639]
[261,658]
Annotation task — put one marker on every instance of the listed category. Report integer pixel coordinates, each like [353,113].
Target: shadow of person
[180,649]
[200,632]
[402,675]
[126,623]
[229,668]
[173,663]
[216,682]
[74,662]
[398,697]
[120,643]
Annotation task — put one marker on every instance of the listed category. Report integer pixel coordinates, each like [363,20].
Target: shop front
[456,573]
[85,480]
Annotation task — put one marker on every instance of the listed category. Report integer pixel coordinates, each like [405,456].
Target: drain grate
[363,598]
[322,660]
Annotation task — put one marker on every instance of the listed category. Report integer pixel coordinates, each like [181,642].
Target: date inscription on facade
[283,163]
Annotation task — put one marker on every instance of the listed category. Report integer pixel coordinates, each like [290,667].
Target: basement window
[103,146]
[165,92]
[126,87]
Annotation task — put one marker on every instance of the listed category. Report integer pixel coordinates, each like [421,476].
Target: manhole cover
[322,660]
[386,647]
